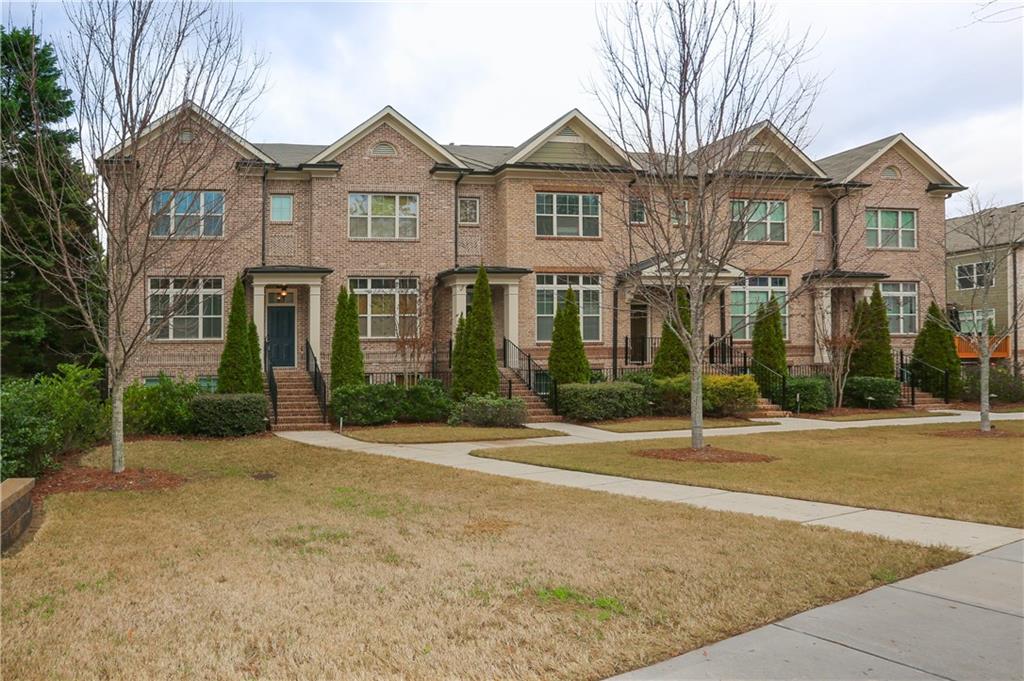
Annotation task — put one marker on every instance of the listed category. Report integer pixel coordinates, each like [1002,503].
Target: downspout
[1016,312]
[834,226]
[263,217]
[615,332]
[457,181]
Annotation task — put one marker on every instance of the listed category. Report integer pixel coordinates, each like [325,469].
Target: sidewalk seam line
[952,600]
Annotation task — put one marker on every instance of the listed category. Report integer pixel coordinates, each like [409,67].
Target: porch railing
[319,385]
[271,381]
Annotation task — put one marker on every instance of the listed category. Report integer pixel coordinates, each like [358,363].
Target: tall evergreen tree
[346,353]
[873,354]
[672,358]
[235,374]
[255,360]
[768,347]
[481,359]
[567,361]
[935,347]
[458,358]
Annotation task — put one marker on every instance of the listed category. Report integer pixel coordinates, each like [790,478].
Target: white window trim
[169,318]
[172,229]
[904,294]
[369,217]
[554,216]
[750,316]
[466,223]
[291,208]
[899,229]
[769,204]
[974,276]
[396,290]
[629,210]
[577,288]
[820,212]
[989,314]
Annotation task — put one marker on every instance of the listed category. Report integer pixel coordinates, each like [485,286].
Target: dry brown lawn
[644,424]
[914,469]
[872,414]
[345,565]
[437,432]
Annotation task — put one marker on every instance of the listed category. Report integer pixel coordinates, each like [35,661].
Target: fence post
[529,371]
[783,390]
[625,351]
[945,386]
[510,389]
[745,370]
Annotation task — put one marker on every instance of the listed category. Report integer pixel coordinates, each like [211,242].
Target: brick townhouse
[404,222]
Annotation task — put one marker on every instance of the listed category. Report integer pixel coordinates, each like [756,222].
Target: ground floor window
[901,306]
[186,309]
[551,290]
[745,299]
[387,306]
[971,321]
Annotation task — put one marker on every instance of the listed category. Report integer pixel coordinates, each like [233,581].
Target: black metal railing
[271,381]
[408,378]
[319,385]
[720,349]
[915,374]
[772,384]
[640,349]
[521,363]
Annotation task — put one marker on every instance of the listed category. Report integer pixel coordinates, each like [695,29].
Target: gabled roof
[191,107]
[290,154]
[731,145]
[653,266]
[403,125]
[570,119]
[847,165]
[1002,226]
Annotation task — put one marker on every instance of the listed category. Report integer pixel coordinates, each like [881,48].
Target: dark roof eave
[852,184]
[490,269]
[286,269]
[843,274]
[941,186]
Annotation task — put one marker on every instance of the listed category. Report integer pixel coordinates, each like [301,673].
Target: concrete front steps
[768,409]
[537,411]
[297,407]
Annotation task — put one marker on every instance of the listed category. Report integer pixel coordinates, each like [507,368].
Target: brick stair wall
[537,411]
[766,409]
[922,400]
[297,407]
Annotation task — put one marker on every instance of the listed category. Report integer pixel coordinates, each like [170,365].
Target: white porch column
[512,312]
[314,321]
[822,325]
[259,309]
[458,305]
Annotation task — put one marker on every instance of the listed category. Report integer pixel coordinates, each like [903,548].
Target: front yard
[642,424]
[280,560]
[422,433]
[941,470]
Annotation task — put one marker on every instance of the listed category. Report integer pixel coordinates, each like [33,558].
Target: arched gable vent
[890,173]
[383,149]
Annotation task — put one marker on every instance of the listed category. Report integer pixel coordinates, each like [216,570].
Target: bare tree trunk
[984,353]
[117,426]
[696,406]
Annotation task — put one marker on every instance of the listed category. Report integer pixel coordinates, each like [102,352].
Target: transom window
[568,214]
[469,211]
[759,220]
[187,213]
[186,309]
[383,216]
[974,321]
[891,228]
[281,207]
[817,219]
[746,299]
[551,291]
[975,275]
[387,306]
[901,306]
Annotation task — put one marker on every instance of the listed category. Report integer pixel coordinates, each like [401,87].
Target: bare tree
[158,87]
[838,345]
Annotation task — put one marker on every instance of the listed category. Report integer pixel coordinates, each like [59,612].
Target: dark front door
[281,335]
[638,342]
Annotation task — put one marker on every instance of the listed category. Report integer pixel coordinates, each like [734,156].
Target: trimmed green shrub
[346,352]
[672,396]
[600,401]
[872,392]
[425,402]
[672,357]
[231,415]
[935,347]
[460,364]
[1003,386]
[729,395]
[160,409]
[567,362]
[647,381]
[489,411]
[236,371]
[815,394]
[481,361]
[873,354]
[366,404]
[768,347]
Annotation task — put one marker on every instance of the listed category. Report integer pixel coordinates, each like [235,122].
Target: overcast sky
[496,73]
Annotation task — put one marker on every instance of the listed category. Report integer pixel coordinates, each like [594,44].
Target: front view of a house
[404,223]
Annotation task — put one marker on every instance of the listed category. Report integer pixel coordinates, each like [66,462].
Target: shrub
[160,409]
[815,394]
[229,415]
[936,347]
[236,371]
[426,401]
[568,361]
[729,395]
[884,393]
[600,401]
[672,396]
[672,358]
[1003,386]
[647,381]
[873,354]
[487,410]
[366,404]
[346,353]
[459,362]
[480,375]
[768,347]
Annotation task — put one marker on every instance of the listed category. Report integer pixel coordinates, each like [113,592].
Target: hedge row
[368,405]
[170,407]
[640,394]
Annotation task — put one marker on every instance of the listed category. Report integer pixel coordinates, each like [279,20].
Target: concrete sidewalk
[963,622]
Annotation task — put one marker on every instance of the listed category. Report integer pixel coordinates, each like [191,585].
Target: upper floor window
[568,214]
[891,228]
[975,275]
[973,321]
[281,207]
[817,219]
[387,306]
[746,298]
[383,216]
[901,306]
[186,309]
[469,211]
[551,291]
[637,211]
[187,213]
[759,220]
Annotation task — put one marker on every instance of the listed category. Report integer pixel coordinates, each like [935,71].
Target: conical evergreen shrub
[934,353]
[235,373]
[768,347]
[458,359]
[567,362]
[256,361]
[346,351]
[672,357]
[873,354]
[481,359]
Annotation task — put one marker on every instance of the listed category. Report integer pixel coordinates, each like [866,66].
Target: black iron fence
[271,381]
[319,385]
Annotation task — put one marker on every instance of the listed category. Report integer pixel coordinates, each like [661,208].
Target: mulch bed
[705,455]
[73,477]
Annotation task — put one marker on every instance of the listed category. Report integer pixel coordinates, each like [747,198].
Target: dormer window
[890,173]
[383,149]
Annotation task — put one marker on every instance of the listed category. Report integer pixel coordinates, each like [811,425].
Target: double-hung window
[383,216]
[975,275]
[817,220]
[186,309]
[551,292]
[568,214]
[187,213]
[901,306]
[387,306]
[637,211]
[891,228]
[759,220]
[746,298]
[973,321]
